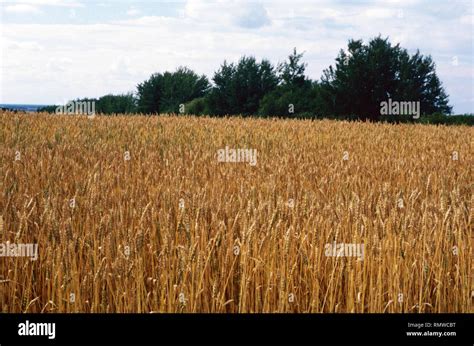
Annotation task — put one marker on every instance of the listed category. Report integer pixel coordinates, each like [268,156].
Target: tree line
[363,76]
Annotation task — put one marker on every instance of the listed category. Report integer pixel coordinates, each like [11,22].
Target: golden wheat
[136,214]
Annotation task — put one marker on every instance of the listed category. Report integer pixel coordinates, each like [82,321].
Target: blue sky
[56,50]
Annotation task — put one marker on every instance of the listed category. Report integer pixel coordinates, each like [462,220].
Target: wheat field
[137,214]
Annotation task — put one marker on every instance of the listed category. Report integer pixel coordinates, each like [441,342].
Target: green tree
[368,74]
[165,92]
[240,87]
[291,72]
[198,106]
[295,94]
[149,94]
[123,104]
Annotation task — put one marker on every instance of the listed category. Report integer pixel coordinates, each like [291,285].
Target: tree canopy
[238,88]
[295,94]
[364,76]
[367,75]
[165,92]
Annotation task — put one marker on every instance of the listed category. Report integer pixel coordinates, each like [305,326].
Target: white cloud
[37,3]
[132,11]
[23,46]
[22,8]
[380,13]
[467,19]
[245,14]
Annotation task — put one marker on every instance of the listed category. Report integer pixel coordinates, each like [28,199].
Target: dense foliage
[363,78]
[166,92]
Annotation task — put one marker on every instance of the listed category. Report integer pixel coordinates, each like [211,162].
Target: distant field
[140,214]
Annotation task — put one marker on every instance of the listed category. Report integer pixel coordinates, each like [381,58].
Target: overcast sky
[56,50]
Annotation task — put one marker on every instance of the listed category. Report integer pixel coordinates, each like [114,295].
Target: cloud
[38,3]
[245,14]
[252,16]
[132,11]
[467,19]
[380,13]
[23,46]
[22,8]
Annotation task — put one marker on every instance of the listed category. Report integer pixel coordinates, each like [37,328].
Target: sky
[53,51]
